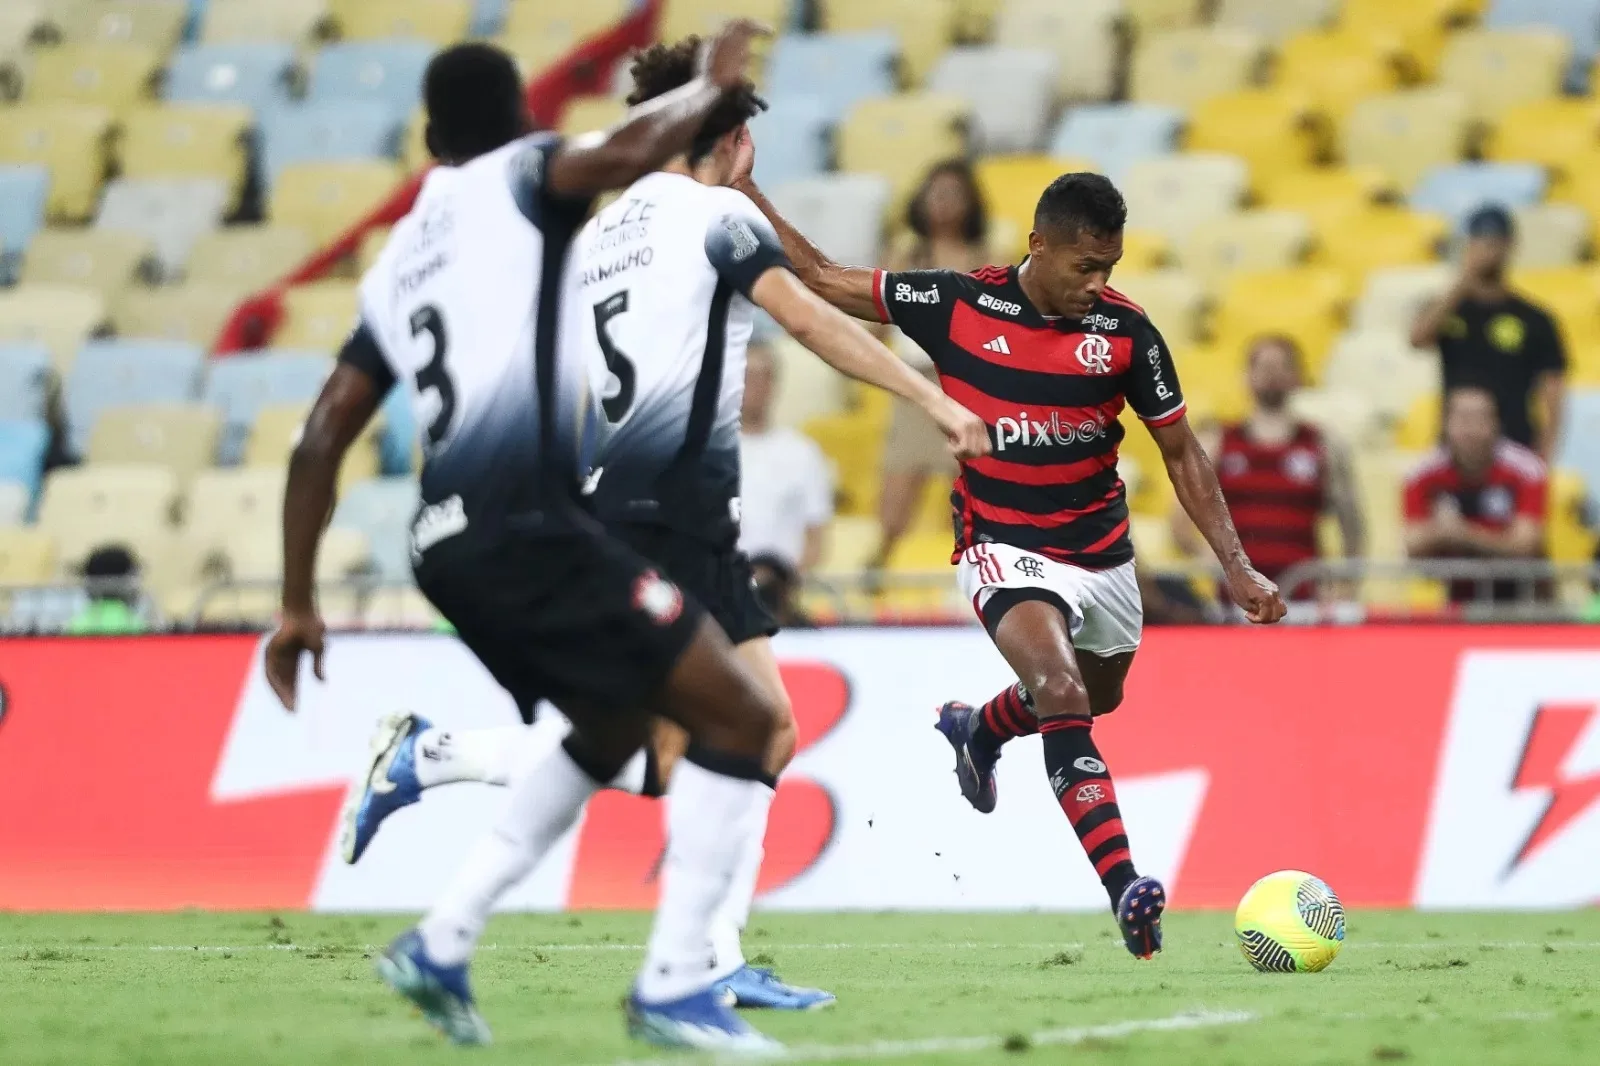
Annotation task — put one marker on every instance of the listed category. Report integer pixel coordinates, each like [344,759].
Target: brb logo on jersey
[1005,307]
[1094,353]
[1031,433]
[905,294]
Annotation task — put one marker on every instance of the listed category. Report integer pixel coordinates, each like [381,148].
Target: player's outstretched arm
[348,400]
[655,131]
[1201,497]
[848,348]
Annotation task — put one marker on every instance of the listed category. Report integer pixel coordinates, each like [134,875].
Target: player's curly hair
[1082,201]
[662,68]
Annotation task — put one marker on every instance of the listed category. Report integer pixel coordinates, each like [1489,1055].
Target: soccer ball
[1289,922]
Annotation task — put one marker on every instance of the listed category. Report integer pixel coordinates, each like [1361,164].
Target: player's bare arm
[1201,497]
[846,346]
[346,404]
[656,131]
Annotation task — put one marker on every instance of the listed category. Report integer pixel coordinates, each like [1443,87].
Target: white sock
[631,779]
[445,756]
[727,925]
[711,819]
[545,800]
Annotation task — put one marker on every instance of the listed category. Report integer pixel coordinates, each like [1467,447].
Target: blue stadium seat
[791,139]
[1580,438]
[386,72]
[25,371]
[1578,19]
[399,437]
[112,373]
[23,192]
[383,509]
[241,385]
[488,17]
[1116,136]
[1458,189]
[326,132]
[23,444]
[256,75]
[837,68]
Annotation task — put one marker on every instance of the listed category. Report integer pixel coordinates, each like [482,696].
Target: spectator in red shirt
[1478,496]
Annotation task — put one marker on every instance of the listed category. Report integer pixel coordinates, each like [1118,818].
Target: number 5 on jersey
[618,396]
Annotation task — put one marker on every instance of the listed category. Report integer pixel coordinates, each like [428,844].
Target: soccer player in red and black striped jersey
[1048,355]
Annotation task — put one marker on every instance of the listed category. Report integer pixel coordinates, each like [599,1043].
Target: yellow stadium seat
[1172,194]
[1568,539]
[229,21]
[926,28]
[1011,187]
[113,76]
[256,554]
[1276,19]
[70,139]
[1156,16]
[975,19]
[318,317]
[248,257]
[59,317]
[193,313]
[705,17]
[1499,69]
[86,507]
[922,552]
[567,24]
[1270,129]
[187,141]
[849,545]
[438,21]
[414,154]
[1551,235]
[1366,359]
[1347,414]
[180,437]
[592,113]
[1144,250]
[1306,304]
[1326,194]
[1418,430]
[1184,68]
[1563,135]
[1085,38]
[854,445]
[1244,241]
[1379,237]
[154,23]
[1174,300]
[277,429]
[1572,295]
[1213,383]
[900,137]
[1337,68]
[106,261]
[223,503]
[1406,133]
[1421,25]
[27,556]
[1392,297]
[372,246]
[325,199]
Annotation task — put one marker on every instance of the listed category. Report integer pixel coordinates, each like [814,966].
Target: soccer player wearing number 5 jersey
[1048,354]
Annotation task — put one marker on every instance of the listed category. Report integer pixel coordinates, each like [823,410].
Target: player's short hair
[1281,341]
[662,68]
[1077,202]
[475,103]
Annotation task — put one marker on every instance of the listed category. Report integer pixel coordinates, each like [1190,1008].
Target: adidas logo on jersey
[998,345]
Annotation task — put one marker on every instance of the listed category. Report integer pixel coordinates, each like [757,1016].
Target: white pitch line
[893,1049]
[334,948]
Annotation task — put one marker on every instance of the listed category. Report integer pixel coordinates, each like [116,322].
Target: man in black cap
[1490,337]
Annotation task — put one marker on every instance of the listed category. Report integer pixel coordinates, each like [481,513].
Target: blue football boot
[1139,915]
[757,988]
[389,784]
[702,1021]
[440,992]
[974,773]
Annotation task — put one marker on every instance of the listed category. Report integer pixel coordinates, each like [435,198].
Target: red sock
[1082,784]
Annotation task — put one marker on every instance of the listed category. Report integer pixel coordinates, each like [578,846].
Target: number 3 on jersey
[618,396]
[433,375]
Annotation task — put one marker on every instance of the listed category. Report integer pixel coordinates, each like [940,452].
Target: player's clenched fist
[1257,597]
[726,60]
[965,432]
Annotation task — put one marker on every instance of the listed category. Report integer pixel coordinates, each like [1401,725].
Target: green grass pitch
[240,990]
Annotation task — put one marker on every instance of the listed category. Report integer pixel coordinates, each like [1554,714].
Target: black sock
[1082,784]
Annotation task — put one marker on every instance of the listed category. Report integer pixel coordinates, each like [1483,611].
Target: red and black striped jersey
[1275,492]
[1050,390]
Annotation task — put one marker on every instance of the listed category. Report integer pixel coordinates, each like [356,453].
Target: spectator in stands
[949,227]
[111,580]
[787,489]
[1279,475]
[1488,335]
[1479,496]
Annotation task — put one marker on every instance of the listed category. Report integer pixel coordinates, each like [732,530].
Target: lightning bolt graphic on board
[1556,730]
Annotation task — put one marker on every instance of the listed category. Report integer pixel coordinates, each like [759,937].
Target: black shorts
[569,617]
[719,578]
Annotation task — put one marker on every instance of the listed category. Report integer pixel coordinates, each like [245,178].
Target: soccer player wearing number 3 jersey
[1048,355]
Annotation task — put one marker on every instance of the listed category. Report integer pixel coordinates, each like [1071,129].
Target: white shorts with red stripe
[1107,612]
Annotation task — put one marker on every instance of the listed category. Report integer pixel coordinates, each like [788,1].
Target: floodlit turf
[237,990]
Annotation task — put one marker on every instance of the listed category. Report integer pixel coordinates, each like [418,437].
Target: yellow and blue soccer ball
[1289,922]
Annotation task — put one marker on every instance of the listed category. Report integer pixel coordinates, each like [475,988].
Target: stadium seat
[187,141]
[1182,68]
[114,373]
[1307,304]
[257,75]
[288,21]
[71,141]
[398,443]
[1337,68]
[1567,538]
[849,546]
[1418,428]
[1379,237]
[193,312]
[1174,194]
[1457,190]
[1421,26]
[854,446]
[900,137]
[1143,250]
[112,76]
[1551,235]
[440,22]
[843,213]
[26,380]
[1572,295]
[277,428]
[241,385]
[250,257]
[24,192]
[1153,16]
[1251,241]
[1366,359]
[1115,136]
[836,69]
[1084,37]
[155,24]
[382,72]
[792,139]
[223,504]
[372,246]
[93,259]
[1011,186]
[1348,415]
[1277,20]
[171,213]
[23,444]
[1580,441]
[27,556]
[1174,300]
[19,21]
[180,436]
[382,509]
[1394,296]
[256,554]
[15,502]
[325,199]
[1270,129]
[1577,20]
[1326,193]
[326,132]
[1563,135]
[925,27]
[1406,133]
[1499,69]
[86,507]
[58,317]
[1011,92]
[317,317]
[592,113]
[550,31]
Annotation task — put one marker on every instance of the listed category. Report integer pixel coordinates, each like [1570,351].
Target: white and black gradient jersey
[658,299]
[462,310]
